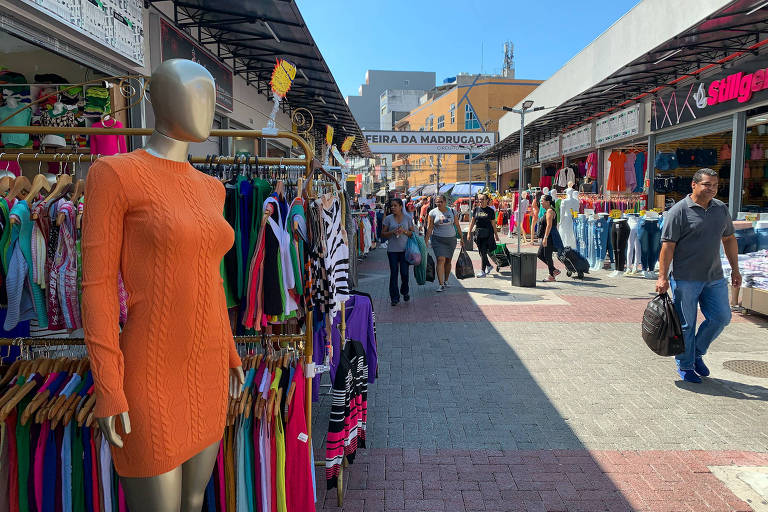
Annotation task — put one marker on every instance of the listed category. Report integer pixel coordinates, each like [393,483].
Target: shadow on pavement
[725,388]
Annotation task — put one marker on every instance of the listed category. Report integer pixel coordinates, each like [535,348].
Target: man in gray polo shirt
[693,230]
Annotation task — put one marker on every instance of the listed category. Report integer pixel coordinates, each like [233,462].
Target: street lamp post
[525,107]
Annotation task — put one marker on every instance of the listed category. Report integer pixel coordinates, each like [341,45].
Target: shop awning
[415,190]
[429,190]
[463,190]
[250,35]
[736,30]
[445,189]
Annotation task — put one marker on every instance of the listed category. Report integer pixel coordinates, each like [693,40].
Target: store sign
[619,125]
[530,157]
[422,143]
[115,25]
[742,84]
[549,149]
[577,140]
[178,45]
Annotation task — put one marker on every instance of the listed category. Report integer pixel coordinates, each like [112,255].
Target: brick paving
[491,397]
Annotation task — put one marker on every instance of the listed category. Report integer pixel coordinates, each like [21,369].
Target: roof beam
[194,6]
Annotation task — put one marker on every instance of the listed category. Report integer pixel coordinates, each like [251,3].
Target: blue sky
[450,36]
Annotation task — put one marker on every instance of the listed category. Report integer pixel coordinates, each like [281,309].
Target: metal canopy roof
[735,31]
[250,35]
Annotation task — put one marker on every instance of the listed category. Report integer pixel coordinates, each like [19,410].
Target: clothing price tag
[752,217]
[629,211]
[658,210]
[615,214]
[642,212]
[303,437]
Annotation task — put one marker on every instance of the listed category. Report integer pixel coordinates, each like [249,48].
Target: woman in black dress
[545,234]
[486,236]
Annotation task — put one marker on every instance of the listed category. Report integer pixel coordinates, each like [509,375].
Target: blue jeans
[649,234]
[581,230]
[712,297]
[397,264]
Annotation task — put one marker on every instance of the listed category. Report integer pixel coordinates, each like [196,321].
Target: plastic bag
[420,270]
[661,327]
[430,269]
[464,268]
[412,252]
[500,255]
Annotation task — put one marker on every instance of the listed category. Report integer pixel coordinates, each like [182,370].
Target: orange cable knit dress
[160,223]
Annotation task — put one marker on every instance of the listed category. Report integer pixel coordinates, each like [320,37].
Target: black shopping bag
[430,269]
[464,268]
[661,327]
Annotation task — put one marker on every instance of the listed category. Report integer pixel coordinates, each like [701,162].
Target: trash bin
[523,266]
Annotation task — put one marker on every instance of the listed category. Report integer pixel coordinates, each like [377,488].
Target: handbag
[661,327]
[430,276]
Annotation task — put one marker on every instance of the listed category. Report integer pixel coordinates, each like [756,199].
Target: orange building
[470,103]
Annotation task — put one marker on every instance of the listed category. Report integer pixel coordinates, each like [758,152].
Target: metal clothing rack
[312,167]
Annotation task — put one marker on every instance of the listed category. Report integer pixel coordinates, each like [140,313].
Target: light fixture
[271,31]
[302,74]
[334,116]
[321,100]
[610,88]
[757,7]
[527,104]
[670,54]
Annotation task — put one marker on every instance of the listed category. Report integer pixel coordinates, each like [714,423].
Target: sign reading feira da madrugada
[383,142]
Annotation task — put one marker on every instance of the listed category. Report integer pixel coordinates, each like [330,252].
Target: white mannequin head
[575,194]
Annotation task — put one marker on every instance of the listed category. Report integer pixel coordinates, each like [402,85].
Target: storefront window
[244,145]
[677,161]
[754,194]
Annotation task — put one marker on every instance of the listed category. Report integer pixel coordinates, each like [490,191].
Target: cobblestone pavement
[491,397]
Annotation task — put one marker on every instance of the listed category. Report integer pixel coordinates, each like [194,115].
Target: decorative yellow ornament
[282,78]
[347,144]
[328,134]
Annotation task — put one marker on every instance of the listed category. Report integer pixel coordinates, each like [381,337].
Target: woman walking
[397,228]
[442,226]
[486,236]
[545,234]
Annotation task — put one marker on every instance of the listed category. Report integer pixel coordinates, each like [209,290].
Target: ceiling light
[271,31]
[757,7]
[334,116]
[302,74]
[670,54]
[611,88]
[321,100]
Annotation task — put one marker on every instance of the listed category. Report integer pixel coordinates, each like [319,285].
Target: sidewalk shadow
[725,388]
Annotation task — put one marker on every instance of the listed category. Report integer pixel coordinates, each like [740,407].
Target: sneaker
[481,274]
[700,368]
[406,298]
[488,269]
[557,273]
[395,302]
[689,376]
[440,288]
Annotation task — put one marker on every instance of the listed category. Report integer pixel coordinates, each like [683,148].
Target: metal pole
[469,183]
[437,190]
[520,179]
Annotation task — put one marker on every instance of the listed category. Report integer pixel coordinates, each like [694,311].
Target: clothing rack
[312,168]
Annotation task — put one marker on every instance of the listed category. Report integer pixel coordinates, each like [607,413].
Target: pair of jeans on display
[649,234]
[634,249]
[619,238]
[762,238]
[598,241]
[747,240]
[397,264]
[580,231]
[712,298]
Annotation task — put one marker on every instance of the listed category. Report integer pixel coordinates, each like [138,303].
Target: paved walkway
[491,397]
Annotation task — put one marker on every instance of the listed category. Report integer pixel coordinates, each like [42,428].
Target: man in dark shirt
[693,230]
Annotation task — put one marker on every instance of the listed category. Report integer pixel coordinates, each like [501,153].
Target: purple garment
[359,314]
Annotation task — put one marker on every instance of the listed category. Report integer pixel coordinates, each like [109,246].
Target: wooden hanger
[5,185]
[62,183]
[21,185]
[39,183]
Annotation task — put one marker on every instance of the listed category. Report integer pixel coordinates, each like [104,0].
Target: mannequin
[633,248]
[522,208]
[619,237]
[170,472]
[567,207]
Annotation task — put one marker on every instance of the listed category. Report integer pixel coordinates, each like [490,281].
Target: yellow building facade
[472,103]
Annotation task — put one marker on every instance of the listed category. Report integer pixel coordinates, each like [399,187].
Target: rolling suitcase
[574,262]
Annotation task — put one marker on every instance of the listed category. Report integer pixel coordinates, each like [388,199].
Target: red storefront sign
[738,86]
